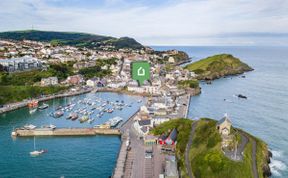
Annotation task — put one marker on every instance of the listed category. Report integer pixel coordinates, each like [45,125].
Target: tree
[2,69]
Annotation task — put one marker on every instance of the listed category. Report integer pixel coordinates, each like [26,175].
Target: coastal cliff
[218,66]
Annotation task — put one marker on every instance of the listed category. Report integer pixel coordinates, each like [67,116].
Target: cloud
[184,22]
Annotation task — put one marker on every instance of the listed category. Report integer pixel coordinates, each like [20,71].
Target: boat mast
[34,144]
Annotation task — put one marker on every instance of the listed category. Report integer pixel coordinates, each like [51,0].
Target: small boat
[73,116]
[37,152]
[109,110]
[90,121]
[30,127]
[51,126]
[97,126]
[139,101]
[84,119]
[43,106]
[242,96]
[31,111]
[58,108]
[58,114]
[113,122]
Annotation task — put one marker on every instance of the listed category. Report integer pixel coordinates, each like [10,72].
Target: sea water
[67,156]
[265,112]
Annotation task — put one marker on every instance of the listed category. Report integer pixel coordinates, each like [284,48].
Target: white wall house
[50,81]
[117,85]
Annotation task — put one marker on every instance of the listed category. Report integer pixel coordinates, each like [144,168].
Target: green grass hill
[72,38]
[206,157]
[217,66]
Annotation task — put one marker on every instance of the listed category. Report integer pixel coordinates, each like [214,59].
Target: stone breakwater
[66,132]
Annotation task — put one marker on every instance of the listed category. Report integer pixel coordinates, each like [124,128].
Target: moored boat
[29,127]
[51,126]
[84,119]
[58,114]
[43,106]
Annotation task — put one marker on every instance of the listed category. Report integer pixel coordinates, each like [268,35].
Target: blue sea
[265,112]
[79,157]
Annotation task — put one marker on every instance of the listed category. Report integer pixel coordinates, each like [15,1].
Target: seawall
[66,132]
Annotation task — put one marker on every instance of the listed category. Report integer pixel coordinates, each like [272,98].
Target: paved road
[254,160]
[240,148]
[246,139]
[187,161]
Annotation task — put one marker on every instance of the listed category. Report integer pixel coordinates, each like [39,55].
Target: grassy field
[11,94]
[206,157]
[218,66]
[62,71]
[188,84]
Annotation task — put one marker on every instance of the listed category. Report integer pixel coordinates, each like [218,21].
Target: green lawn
[10,94]
[207,159]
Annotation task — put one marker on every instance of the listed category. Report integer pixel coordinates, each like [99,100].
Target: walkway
[187,161]
[240,149]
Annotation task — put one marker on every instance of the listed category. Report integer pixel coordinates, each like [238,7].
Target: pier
[66,132]
[123,168]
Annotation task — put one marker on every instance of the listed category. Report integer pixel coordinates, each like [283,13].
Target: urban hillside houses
[20,64]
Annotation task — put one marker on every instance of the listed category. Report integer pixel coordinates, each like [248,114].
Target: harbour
[89,143]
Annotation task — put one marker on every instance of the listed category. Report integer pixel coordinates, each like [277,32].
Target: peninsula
[217,66]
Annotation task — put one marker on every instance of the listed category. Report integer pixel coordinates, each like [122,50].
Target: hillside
[72,38]
[205,155]
[217,66]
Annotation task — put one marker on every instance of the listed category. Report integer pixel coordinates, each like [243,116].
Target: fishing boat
[37,152]
[43,106]
[84,119]
[29,127]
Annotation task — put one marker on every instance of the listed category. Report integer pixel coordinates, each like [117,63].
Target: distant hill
[72,38]
[218,66]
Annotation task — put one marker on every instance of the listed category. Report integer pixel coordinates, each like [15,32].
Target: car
[148,155]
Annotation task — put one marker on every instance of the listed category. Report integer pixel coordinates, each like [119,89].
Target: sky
[157,22]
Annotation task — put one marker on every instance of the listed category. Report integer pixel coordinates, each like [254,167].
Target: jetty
[66,132]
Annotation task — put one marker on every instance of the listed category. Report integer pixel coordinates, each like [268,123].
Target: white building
[117,85]
[92,82]
[50,81]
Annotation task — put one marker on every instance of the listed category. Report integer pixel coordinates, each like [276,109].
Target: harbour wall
[67,132]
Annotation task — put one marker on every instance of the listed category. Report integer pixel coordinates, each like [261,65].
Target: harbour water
[92,156]
[265,112]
